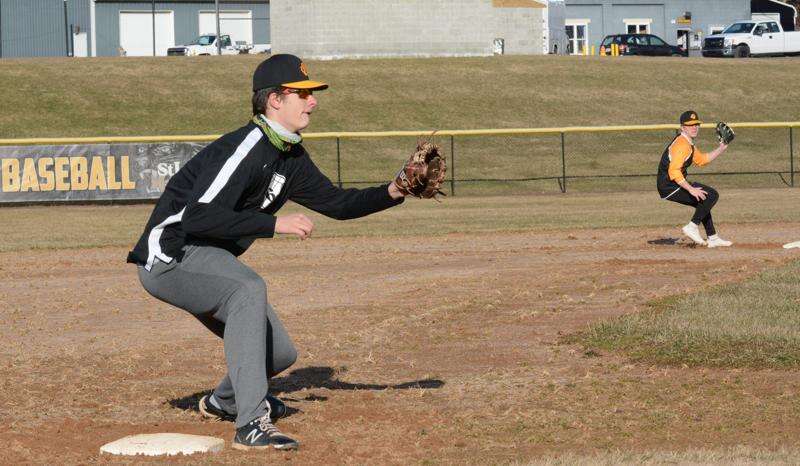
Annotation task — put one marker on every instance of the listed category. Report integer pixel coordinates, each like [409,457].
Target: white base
[163,444]
[795,244]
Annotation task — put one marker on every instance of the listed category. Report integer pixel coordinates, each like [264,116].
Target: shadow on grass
[311,377]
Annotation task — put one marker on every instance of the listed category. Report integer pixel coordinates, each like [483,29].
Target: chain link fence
[480,162]
[572,159]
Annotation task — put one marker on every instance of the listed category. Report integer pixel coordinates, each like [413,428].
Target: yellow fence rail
[451,134]
[383,134]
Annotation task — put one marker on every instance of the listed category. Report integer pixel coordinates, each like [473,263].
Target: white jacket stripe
[154,241]
[231,165]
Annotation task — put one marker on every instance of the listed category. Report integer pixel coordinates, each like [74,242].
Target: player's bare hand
[394,191]
[698,193]
[294,224]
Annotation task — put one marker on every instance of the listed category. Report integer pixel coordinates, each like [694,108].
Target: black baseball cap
[689,118]
[286,71]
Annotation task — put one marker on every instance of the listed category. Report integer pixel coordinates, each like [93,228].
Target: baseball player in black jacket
[213,209]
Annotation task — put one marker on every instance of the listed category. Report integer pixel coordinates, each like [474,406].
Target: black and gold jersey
[676,159]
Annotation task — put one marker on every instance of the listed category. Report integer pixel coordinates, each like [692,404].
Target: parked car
[642,44]
[206,44]
[746,38]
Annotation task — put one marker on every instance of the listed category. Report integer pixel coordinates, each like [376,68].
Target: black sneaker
[277,408]
[261,434]
[209,411]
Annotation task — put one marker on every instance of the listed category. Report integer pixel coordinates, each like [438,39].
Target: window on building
[577,36]
[638,25]
[715,29]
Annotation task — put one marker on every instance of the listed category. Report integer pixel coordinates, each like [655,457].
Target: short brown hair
[260,98]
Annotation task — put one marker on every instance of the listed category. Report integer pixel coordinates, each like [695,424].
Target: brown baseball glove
[423,173]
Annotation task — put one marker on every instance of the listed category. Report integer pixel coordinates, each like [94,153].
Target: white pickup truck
[746,38]
[206,44]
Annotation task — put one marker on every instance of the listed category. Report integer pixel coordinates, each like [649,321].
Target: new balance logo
[254,435]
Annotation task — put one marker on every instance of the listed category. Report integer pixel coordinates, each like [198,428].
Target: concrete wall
[607,15]
[392,28]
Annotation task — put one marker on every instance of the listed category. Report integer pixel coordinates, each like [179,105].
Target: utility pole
[66,29]
[153,9]
[1,28]
[219,39]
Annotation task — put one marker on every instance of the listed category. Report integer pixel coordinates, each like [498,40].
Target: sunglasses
[302,93]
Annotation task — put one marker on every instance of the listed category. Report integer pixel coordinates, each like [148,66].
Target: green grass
[82,226]
[755,323]
[197,95]
[59,97]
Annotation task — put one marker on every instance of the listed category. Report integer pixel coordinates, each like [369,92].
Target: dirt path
[474,373]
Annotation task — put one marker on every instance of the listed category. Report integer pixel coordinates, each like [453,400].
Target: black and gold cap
[689,118]
[286,71]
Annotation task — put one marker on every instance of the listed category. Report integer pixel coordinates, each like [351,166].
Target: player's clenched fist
[294,224]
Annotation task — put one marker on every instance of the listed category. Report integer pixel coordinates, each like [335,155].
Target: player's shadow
[680,242]
[307,378]
[664,241]
[327,377]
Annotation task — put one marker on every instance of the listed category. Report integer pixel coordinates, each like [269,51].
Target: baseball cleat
[716,242]
[261,434]
[693,232]
[209,411]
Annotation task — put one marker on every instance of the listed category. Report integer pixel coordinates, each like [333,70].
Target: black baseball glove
[725,133]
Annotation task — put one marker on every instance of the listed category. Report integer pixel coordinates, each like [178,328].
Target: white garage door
[237,24]
[136,32]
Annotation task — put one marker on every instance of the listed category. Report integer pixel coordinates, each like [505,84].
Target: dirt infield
[474,373]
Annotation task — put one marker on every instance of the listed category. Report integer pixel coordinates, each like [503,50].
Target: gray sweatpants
[230,299]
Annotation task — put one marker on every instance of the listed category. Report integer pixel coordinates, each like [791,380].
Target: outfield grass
[755,323]
[84,226]
[58,97]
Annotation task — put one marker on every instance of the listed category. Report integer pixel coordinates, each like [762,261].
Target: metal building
[42,28]
[683,22]
[35,28]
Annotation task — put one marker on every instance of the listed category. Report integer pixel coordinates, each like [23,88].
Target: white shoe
[715,242]
[693,232]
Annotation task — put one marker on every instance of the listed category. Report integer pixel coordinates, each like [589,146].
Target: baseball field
[509,324]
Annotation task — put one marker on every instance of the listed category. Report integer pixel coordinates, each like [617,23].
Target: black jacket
[227,196]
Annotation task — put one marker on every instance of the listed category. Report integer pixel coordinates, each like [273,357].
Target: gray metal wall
[35,28]
[185,16]
[607,15]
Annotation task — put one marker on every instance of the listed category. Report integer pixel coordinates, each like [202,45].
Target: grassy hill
[180,95]
[61,97]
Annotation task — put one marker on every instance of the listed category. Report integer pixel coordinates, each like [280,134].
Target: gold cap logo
[303,69]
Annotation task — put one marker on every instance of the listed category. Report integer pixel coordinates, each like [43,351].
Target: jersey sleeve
[700,158]
[316,192]
[679,151]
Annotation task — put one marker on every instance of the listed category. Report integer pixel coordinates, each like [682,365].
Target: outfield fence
[484,161]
